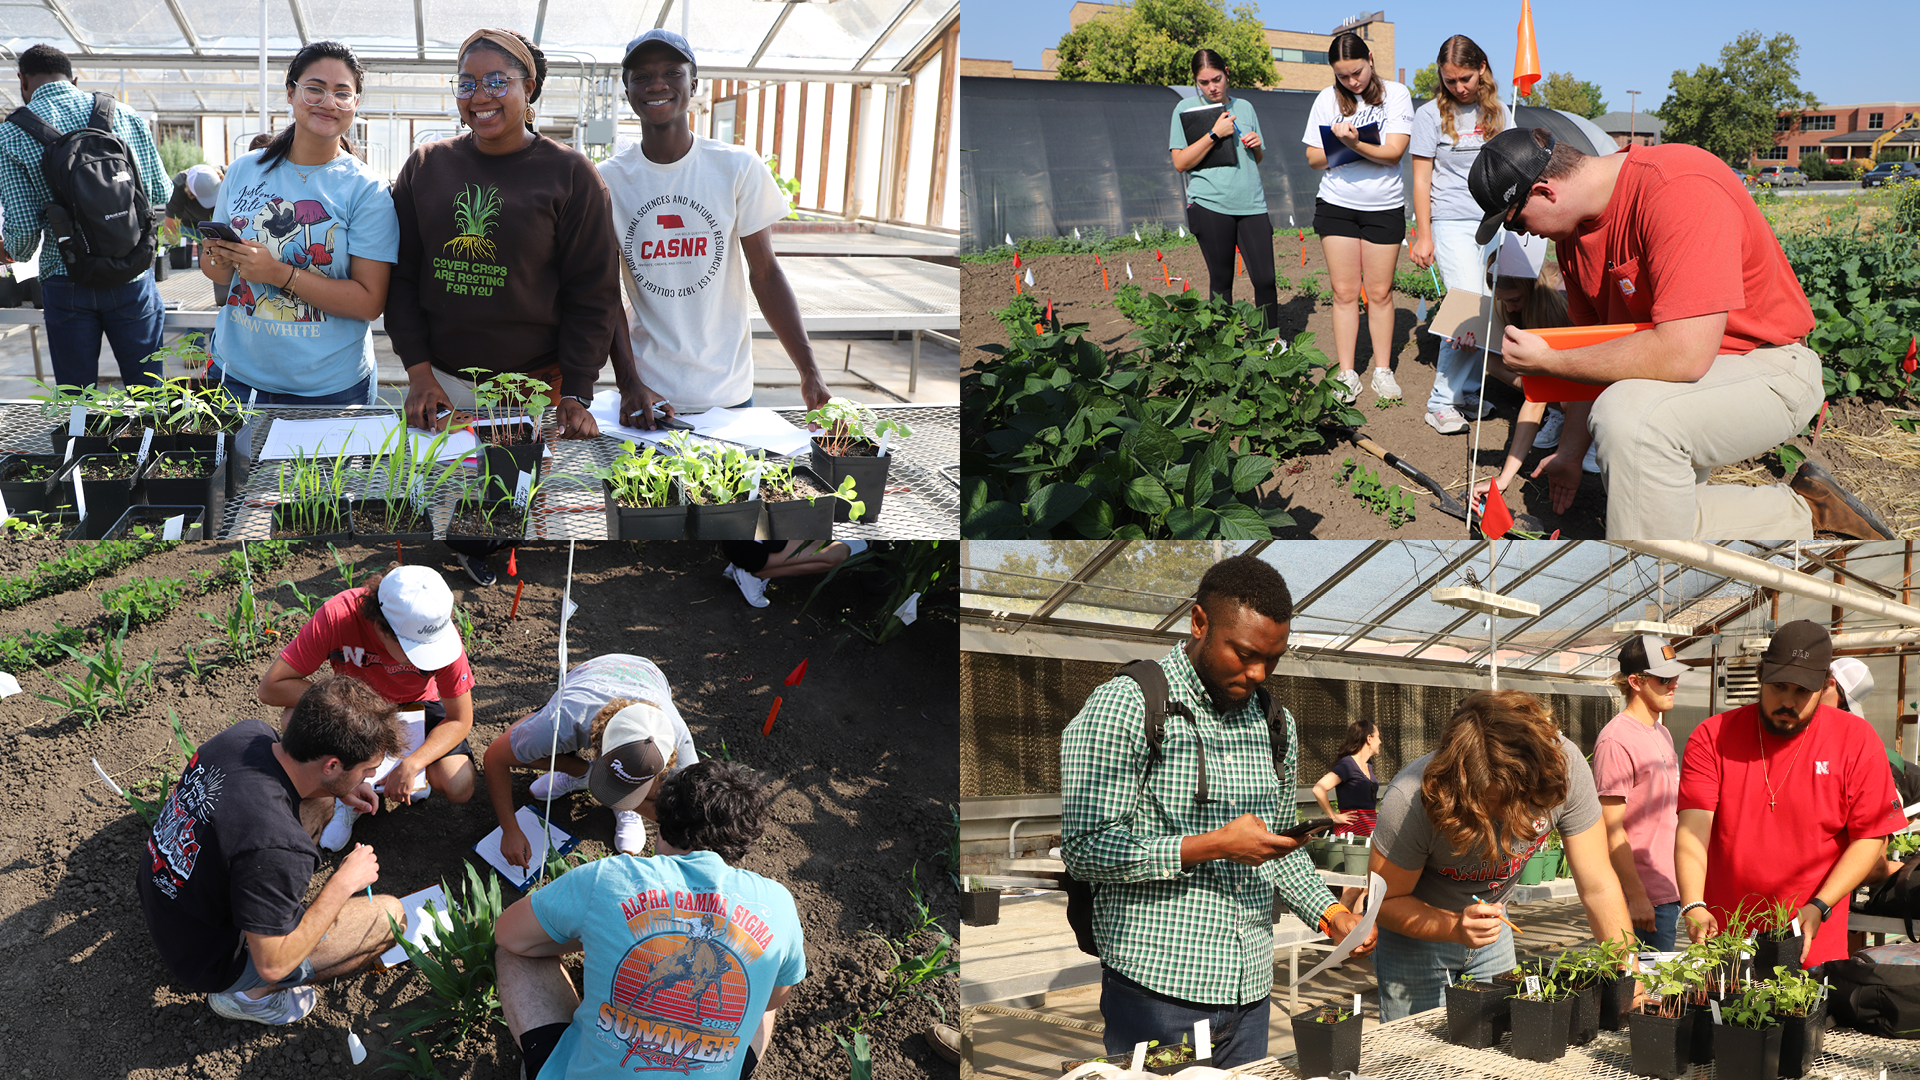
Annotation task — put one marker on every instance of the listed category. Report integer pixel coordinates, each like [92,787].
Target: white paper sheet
[358,434]
[420,930]
[759,428]
[415,725]
[529,818]
[1376,890]
[606,412]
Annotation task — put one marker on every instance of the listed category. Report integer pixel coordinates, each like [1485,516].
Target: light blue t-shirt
[315,219]
[1224,189]
[682,953]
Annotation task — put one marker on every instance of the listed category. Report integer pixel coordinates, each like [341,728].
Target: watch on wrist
[1214,135]
[1826,912]
[575,397]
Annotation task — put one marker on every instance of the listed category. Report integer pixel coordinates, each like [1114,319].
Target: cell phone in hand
[219,230]
[1309,828]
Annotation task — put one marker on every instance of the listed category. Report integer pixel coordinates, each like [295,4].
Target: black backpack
[1877,990]
[100,217]
[1153,687]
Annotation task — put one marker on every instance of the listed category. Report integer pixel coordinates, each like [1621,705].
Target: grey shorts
[250,978]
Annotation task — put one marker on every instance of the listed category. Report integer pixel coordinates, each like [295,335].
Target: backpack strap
[1276,731]
[1153,688]
[102,117]
[29,121]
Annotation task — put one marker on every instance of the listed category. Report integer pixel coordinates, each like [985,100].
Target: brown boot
[1835,510]
[944,1040]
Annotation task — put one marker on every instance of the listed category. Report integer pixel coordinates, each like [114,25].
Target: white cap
[203,182]
[1856,682]
[419,607]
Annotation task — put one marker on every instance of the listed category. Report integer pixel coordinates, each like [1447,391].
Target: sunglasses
[1669,682]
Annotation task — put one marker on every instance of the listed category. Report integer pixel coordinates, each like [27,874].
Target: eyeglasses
[315,95]
[495,85]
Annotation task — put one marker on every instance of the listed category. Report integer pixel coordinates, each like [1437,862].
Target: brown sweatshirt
[507,262]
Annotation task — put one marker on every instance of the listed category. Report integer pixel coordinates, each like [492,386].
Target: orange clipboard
[1546,389]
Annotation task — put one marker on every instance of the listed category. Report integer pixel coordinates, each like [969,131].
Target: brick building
[1641,129]
[1840,132]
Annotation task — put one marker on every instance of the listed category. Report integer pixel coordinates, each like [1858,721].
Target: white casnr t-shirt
[1362,185]
[679,228]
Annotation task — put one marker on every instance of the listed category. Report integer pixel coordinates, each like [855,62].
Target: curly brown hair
[1499,769]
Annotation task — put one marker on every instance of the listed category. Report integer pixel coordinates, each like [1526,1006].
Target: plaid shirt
[1203,934]
[23,190]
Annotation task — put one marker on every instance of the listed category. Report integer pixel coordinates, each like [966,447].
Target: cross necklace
[1760,730]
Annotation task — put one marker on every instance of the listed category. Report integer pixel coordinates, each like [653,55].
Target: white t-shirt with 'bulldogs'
[1360,185]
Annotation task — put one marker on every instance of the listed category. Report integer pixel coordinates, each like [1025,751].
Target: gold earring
[529,120]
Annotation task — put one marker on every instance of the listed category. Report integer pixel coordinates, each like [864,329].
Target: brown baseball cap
[1800,653]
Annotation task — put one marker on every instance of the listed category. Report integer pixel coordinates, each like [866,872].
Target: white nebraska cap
[419,607]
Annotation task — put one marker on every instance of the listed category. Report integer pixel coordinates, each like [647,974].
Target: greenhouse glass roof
[1375,598]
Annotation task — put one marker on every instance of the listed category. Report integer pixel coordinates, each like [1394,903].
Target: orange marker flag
[1239,264]
[794,676]
[1158,256]
[512,569]
[1526,53]
[771,713]
[1016,260]
[1913,350]
[1049,311]
[1103,280]
[515,611]
[1495,518]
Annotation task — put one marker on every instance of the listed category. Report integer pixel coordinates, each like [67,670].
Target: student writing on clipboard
[1226,207]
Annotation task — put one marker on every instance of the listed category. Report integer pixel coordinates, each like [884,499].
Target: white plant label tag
[1796,926]
[171,530]
[1449,978]
[1533,985]
[522,489]
[908,611]
[146,444]
[1715,1006]
[79,493]
[753,481]
[1356,1004]
[1140,1057]
[885,438]
[355,1049]
[568,613]
[1203,1040]
[9,685]
[220,450]
[76,421]
[3,508]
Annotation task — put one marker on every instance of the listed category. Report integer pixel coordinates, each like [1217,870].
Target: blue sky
[1622,45]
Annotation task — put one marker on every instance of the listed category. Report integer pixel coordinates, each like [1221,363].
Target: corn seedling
[859,1055]
[349,573]
[161,780]
[106,679]
[847,423]
[245,623]
[418,1063]
[459,965]
[192,654]
[473,211]
[308,494]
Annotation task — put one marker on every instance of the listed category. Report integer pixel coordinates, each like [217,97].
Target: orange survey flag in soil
[1495,519]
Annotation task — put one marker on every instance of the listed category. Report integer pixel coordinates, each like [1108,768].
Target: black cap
[1800,653]
[1504,174]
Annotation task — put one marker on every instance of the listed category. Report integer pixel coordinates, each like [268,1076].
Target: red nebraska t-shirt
[338,634]
[1831,786]
[1681,238]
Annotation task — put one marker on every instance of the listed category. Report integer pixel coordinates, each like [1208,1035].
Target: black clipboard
[1195,123]
[1339,153]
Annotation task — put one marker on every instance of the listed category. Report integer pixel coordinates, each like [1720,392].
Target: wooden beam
[779,121]
[826,148]
[800,139]
[943,124]
[853,145]
[902,142]
[760,124]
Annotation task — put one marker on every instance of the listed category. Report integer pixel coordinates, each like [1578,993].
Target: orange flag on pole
[1495,518]
[1526,54]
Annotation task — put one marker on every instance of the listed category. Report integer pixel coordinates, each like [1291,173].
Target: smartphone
[1309,828]
[219,230]
[661,418]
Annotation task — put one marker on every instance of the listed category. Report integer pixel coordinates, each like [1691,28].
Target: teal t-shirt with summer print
[1224,189]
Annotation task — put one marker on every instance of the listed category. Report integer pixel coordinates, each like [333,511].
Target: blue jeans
[360,393]
[1413,973]
[131,316]
[1136,1014]
[1666,925]
[1461,262]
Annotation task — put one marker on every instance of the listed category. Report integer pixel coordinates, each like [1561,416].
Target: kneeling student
[230,858]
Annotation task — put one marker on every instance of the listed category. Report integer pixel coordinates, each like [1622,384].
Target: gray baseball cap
[665,37]
[1651,654]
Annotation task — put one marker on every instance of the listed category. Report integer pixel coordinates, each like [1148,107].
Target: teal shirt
[1224,190]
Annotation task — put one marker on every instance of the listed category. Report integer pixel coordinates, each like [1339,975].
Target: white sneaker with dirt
[340,829]
[1549,434]
[1446,420]
[1383,384]
[752,588]
[279,1007]
[629,831]
[1349,387]
[556,785]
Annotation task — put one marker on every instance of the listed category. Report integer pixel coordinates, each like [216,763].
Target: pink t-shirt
[1637,762]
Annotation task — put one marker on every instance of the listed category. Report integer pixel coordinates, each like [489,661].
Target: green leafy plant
[912,567]
[38,648]
[641,477]
[846,423]
[78,565]
[245,624]
[777,484]
[1022,313]
[1393,502]
[1419,284]
[859,1055]
[144,600]
[149,796]
[1864,289]
[105,681]
[1756,1007]
[791,188]
[503,398]
[309,490]
[459,966]
[1145,236]
[1672,981]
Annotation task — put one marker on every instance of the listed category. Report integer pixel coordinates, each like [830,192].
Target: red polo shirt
[1830,787]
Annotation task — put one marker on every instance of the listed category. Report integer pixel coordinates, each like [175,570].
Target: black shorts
[1385,227]
[436,713]
[751,555]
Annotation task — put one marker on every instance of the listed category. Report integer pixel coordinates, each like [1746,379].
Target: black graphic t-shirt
[227,855]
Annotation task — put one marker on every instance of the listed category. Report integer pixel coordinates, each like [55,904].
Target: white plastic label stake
[146,444]
[76,421]
[1203,1040]
[220,450]
[1533,985]
[9,685]
[1715,1006]
[171,530]
[885,438]
[1796,926]
[355,1049]
[908,611]
[1356,1004]
[1140,1057]
[570,609]
[79,493]
[3,508]
[522,489]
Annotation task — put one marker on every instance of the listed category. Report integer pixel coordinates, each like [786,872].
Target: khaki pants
[1657,442]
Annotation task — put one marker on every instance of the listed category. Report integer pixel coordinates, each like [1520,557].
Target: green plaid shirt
[23,190]
[1203,934]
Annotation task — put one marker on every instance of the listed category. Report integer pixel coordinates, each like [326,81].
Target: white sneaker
[1592,463]
[1549,434]
[279,1007]
[339,830]
[557,784]
[1446,420]
[1383,384]
[1349,387]
[1475,407]
[629,831]
[752,588]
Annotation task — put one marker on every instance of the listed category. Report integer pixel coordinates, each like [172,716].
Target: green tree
[1560,90]
[1426,81]
[1729,109]
[1152,42]
[177,154]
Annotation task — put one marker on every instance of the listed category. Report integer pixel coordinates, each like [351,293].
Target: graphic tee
[1453,158]
[1829,788]
[227,855]
[338,636]
[590,686]
[317,219]
[1224,189]
[1450,879]
[1637,762]
[1681,237]
[682,954]
[679,227]
[1363,185]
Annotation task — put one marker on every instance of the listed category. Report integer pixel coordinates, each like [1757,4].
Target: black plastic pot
[980,908]
[106,500]
[1616,997]
[155,517]
[1703,1032]
[334,525]
[25,496]
[11,292]
[379,535]
[180,257]
[505,463]
[1584,1025]
[159,267]
[798,519]
[32,286]
[1801,1040]
[1747,1053]
[1768,953]
[728,521]
[509,523]
[209,490]
[869,479]
[1539,1028]
[1477,1015]
[1124,1059]
[1662,1045]
[643,522]
[1324,1049]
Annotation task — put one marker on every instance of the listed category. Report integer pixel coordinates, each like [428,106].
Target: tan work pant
[1658,441]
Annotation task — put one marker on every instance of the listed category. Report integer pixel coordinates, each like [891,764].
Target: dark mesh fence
[1013,708]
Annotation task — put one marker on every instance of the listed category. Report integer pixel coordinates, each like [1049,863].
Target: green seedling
[507,395]
[144,600]
[641,477]
[106,681]
[459,967]
[308,494]
[244,625]
[847,423]
[1392,502]
[160,783]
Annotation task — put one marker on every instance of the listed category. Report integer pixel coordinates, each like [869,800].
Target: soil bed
[1305,486]
[369,518]
[860,768]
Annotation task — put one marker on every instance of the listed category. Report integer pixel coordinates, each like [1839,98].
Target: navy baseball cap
[665,37]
